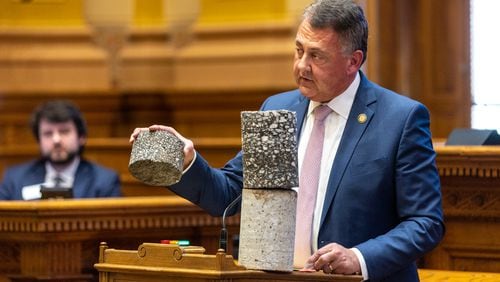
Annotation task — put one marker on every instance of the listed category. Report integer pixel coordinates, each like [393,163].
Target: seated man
[60,131]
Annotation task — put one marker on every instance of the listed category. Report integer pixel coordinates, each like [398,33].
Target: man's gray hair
[344,17]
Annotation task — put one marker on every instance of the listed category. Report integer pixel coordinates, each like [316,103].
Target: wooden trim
[34,231]
[474,161]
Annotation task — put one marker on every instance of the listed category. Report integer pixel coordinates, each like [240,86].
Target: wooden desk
[430,275]
[470,180]
[57,240]
[165,263]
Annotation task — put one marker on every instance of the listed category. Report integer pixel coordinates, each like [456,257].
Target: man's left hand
[334,258]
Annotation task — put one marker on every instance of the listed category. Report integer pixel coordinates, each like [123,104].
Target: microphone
[223,232]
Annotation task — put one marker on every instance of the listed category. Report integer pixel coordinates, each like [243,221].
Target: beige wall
[418,48]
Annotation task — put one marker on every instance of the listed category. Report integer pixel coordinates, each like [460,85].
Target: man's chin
[306,91]
[61,160]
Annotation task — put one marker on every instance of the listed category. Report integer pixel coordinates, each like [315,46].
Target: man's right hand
[189,152]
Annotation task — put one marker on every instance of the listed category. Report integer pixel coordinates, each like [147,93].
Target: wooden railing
[45,240]
[470,184]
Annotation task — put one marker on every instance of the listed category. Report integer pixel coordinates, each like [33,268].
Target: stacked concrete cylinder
[267,226]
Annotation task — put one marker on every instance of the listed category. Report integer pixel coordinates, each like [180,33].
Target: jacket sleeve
[210,188]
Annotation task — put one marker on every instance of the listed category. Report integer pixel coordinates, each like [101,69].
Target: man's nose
[56,137]
[304,64]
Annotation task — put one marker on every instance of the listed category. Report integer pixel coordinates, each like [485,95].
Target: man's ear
[355,61]
[82,140]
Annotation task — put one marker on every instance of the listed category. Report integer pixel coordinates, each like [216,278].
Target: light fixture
[110,22]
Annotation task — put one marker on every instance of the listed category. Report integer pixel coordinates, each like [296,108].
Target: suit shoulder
[282,100]
[23,167]
[97,168]
[392,100]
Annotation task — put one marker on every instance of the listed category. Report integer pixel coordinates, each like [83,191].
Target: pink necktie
[308,186]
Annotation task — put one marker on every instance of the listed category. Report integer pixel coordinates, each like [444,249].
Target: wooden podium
[165,262]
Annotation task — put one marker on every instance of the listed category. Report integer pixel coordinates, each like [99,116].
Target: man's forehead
[315,36]
[45,123]
[306,29]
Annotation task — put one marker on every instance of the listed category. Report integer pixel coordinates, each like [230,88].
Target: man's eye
[319,59]
[316,56]
[299,52]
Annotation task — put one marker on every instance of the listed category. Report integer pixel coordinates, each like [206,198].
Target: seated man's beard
[70,157]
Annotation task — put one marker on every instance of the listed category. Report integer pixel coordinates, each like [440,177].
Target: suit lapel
[352,133]
[300,110]
[37,176]
[82,180]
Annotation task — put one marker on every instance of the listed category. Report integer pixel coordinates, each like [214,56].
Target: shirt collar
[341,104]
[67,174]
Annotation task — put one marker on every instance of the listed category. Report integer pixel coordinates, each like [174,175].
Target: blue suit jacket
[91,180]
[383,194]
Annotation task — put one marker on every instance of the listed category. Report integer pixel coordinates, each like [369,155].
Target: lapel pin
[362,118]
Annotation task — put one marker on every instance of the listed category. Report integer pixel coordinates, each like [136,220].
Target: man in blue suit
[61,133]
[378,206]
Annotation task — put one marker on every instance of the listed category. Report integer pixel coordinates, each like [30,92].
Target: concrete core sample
[267,229]
[269,147]
[157,158]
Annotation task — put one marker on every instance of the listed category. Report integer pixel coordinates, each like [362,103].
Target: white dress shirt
[67,175]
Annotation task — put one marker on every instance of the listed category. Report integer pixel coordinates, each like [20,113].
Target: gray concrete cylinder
[267,229]
[157,158]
